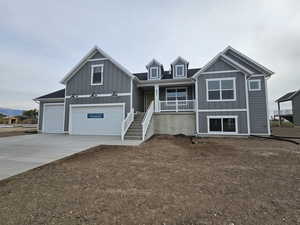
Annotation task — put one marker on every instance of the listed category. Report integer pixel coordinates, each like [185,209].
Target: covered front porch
[167,98]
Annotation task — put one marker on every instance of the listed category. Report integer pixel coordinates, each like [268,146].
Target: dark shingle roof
[166,74]
[55,94]
[287,97]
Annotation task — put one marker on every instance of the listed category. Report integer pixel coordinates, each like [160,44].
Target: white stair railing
[147,119]
[127,122]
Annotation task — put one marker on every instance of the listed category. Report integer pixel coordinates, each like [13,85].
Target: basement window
[222,124]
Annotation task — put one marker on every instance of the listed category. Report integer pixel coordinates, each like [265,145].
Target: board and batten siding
[94,100]
[114,79]
[258,109]
[137,98]
[296,109]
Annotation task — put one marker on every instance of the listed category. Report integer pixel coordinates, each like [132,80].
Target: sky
[40,41]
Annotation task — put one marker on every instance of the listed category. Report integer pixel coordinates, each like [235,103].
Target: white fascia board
[236,64]
[270,72]
[86,57]
[153,61]
[179,58]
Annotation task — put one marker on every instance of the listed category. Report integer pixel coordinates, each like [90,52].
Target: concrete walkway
[21,153]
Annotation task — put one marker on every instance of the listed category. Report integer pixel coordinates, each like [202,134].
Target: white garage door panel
[110,124]
[53,118]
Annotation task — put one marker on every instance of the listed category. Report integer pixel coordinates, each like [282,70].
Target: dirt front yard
[167,180]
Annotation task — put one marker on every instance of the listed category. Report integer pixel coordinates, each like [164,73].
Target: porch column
[156,98]
[279,116]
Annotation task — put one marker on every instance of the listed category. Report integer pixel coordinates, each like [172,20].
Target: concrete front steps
[135,131]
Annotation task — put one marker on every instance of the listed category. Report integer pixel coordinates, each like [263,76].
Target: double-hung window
[222,89]
[176,94]
[97,74]
[179,70]
[254,85]
[153,73]
[222,124]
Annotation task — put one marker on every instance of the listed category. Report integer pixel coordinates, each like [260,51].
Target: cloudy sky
[40,41]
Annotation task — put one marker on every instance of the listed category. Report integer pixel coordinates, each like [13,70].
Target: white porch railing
[126,123]
[177,106]
[283,112]
[147,119]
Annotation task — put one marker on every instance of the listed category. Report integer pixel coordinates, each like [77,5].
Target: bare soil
[167,180]
[286,131]
[16,131]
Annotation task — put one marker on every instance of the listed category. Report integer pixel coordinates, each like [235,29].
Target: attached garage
[96,119]
[53,118]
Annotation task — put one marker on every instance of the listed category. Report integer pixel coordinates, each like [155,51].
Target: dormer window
[153,73]
[179,70]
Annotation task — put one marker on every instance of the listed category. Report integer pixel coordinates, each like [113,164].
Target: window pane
[179,70]
[228,94]
[229,125]
[97,75]
[215,125]
[227,84]
[153,72]
[213,95]
[171,93]
[254,85]
[181,94]
[213,84]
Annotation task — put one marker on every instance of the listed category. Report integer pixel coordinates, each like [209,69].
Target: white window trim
[183,72]
[259,85]
[92,74]
[175,88]
[150,73]
[222,100]
[222,117]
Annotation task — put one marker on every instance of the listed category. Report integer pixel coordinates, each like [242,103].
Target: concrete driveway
[21,153]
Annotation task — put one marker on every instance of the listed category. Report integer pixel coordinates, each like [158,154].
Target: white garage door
[53,118]
[96,119]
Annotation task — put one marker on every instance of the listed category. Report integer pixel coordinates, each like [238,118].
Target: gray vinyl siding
[258,109]
[220,65]
[114,79]
[190,90]
[239,103]
[95,100]
[248,65]
[179,62]
[242,120]
[296,109]
[137,98]
[98,55]
[41,111]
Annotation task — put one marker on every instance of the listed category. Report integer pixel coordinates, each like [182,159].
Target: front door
[149,97]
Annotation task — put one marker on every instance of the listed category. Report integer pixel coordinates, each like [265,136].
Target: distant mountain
[11,112]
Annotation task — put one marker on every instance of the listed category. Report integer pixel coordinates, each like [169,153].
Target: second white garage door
[103,119]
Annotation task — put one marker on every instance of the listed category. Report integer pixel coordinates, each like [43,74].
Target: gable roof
[82,62]
[287,97]
[179,58]
[55,94]
[226,59]
[248,59]
[153,61]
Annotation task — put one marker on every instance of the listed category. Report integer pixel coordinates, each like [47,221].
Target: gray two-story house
[227,96]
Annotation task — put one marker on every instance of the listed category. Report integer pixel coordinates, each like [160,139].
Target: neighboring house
[292,115]
[10,120]
[228,96]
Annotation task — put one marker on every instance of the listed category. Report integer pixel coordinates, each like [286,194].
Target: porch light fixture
[114,94]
